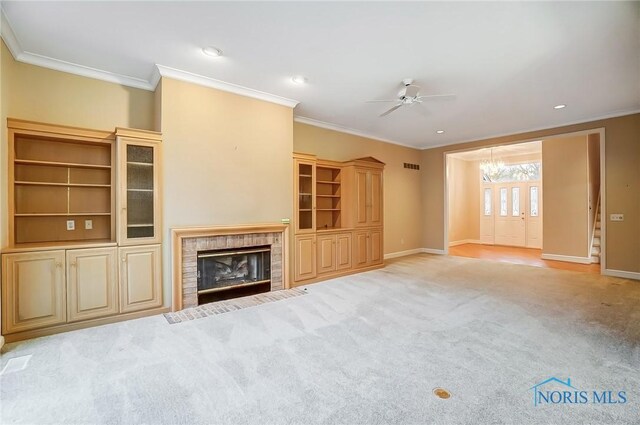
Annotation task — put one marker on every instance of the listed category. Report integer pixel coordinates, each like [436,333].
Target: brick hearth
[190,241]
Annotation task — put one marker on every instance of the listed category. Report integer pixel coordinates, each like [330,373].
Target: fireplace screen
[220,270]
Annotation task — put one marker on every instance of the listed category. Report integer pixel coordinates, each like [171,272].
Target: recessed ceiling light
[212,51]
[299,79]
[440,131]
[560,106]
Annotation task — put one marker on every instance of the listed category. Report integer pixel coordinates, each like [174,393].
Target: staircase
[595,244]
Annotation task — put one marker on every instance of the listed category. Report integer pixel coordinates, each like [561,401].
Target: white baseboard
[464,241]
[433,251]
[567,258]
[402,253]
[622,273]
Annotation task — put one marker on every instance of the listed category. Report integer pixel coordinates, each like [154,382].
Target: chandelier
[491,167]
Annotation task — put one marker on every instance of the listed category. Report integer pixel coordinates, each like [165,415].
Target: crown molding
[201,80]
[159,71]
[342,129]
[616,114]
[8,35]
[20,55]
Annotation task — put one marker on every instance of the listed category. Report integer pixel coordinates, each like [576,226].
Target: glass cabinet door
[305,194]
[139,192]
[140,222]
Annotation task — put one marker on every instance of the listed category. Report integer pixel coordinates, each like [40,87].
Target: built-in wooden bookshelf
[328,198]
[61,185]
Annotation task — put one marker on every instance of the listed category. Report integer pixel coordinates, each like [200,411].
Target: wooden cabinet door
[138,202]
[33,290]
[326,260]
[343,251]
[305,257]
[375,241]
[304,189]
[92,283]
[362,198]
[375,198]
[140,278]
[361,248]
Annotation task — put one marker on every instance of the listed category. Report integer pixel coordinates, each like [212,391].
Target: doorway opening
[535,202]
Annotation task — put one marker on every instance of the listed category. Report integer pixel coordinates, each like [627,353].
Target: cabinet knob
[124,259]
[73,264]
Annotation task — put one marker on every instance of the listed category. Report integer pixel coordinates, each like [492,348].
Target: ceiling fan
[409,95]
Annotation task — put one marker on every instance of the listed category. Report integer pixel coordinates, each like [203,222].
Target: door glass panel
[140,220]
[487,201]
[503,201]
[533,201]
[305,196]
[515,201]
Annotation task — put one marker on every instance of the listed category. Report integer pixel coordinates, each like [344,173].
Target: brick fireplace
[188,242]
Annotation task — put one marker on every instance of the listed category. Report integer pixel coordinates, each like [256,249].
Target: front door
[510,220]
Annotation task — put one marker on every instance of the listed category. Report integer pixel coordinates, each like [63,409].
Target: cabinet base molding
[329,276]
[35,333]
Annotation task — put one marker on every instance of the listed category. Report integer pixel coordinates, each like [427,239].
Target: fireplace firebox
[241,270]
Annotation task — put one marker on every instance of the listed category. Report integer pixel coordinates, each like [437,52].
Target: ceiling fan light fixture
[211,51]
[299,79]
[561,106]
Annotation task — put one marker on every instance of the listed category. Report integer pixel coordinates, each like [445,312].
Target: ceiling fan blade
[391,110]
[437,96]
[381,100]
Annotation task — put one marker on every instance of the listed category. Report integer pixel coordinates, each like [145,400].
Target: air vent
[411,166]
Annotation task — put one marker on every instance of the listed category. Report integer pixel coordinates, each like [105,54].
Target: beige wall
[565,196]
[402,198]
[226,160]
[464,200]
[622,189]
[39,94]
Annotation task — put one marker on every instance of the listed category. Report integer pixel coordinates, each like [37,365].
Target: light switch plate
[616,217]
[71,225]
[88,224]
[285,221]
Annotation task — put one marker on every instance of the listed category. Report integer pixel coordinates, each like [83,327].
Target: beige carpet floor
[363,349]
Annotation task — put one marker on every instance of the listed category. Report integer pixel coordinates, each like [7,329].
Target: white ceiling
[503,151]
[508,63]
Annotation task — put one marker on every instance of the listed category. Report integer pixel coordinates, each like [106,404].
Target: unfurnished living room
[319,212]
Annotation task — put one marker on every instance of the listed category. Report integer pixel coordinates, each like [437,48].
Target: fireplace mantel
[192,236]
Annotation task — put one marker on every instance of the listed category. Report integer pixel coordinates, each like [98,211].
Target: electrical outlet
[71,225]
[88,224]
[616,217]
[285,221]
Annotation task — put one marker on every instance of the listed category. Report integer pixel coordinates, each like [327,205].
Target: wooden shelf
[305,194]
[305,209]
[328,209]
[70,214]
[139,190]
[61,184]
[328,196]
[305,175]
[60,164]
[140,225]
[326,182]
